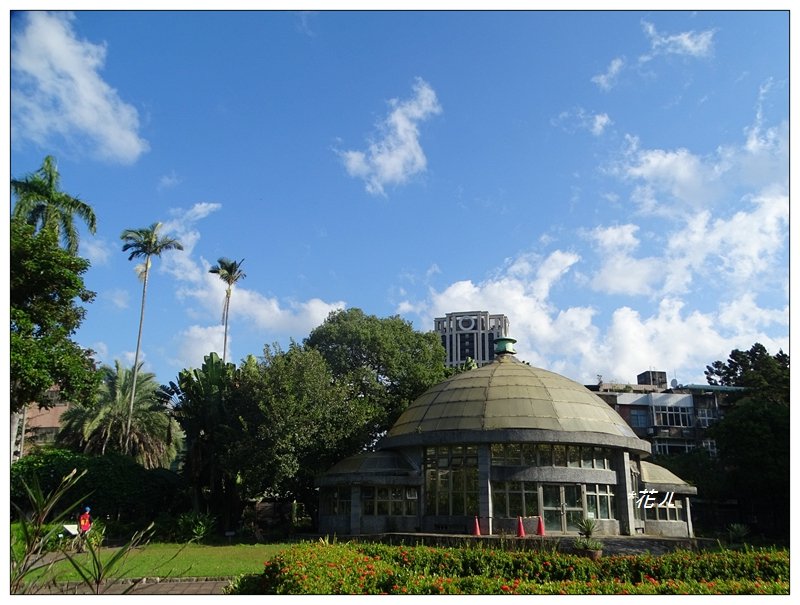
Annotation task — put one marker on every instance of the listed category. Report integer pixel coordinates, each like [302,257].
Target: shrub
[324,568]
[194,527]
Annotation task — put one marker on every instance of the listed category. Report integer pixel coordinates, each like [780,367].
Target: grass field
[182,561]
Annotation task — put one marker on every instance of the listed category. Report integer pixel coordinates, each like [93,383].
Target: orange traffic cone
[520,528]
[477,529]
[540,527]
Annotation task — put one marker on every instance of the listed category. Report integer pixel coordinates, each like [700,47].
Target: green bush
[195,527]
[323,568]
[118,489]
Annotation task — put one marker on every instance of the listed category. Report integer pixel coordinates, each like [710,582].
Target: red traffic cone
[520,528]
[540,527]
[476,531]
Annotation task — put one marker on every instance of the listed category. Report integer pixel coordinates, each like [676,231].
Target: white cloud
[57,91]
[700,44]
[117,297]
[195,342]
[397,155]
[96,250]
[607,80]
[581,119]
[620,272]
[181,226]
[168,181]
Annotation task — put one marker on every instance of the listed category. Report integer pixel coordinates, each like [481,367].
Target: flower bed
[322,568]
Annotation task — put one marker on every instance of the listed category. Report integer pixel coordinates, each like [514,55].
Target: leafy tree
[230,272]
[99,427]
[200,401]
[384,361]
[296,422]
[145,243]
[756,370]
[41,203]
[753,437]
[46,289]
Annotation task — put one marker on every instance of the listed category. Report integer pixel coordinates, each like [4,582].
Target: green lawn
[183,560]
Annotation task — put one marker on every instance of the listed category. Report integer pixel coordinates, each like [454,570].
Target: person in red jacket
[85,521]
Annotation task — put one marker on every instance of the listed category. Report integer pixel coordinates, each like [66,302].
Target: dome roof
[510,401]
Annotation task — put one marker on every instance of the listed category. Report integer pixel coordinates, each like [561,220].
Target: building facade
[502,444]
[470,335]
[674,420]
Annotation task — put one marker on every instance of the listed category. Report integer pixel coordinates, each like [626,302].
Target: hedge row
[321,568]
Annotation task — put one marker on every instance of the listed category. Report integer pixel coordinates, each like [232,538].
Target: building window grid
[706,417]
[600,502]
[336,502]
[451,480]
[545,454]
[665,513]
[395,501]
[673,416]
[710,445]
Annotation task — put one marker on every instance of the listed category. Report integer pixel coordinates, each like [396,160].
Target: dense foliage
[322,568]
[99,427]
[753,437]
[116,488]
[382,360]
[46,289]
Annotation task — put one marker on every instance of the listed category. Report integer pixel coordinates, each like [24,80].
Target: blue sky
[615,182]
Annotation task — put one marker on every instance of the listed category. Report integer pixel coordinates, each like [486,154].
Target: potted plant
[589,547]
[586,527]
[586,544]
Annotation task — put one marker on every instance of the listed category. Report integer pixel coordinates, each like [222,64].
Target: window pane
[573,456]
[545,455]
[499,500]
[604,507]
[559,455]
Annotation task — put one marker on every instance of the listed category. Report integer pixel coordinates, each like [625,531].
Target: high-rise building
[470,334]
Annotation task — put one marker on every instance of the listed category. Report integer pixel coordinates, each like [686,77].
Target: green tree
[753,437]
[200,403]
[99,427]
[41,203]
[143,243]
[230,272]
[383,360]
[756,370]
[46,289]
[296,422]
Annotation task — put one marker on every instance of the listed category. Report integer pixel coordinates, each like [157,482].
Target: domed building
[502,443]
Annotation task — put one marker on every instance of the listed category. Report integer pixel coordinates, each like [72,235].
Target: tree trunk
[136,356]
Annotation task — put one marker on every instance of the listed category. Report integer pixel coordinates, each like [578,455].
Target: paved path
[149,586]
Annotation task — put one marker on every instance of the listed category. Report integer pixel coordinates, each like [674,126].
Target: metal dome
[507,401]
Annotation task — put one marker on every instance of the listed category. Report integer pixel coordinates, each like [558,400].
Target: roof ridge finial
[504,345]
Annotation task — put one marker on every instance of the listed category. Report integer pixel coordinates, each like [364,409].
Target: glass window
[640,418]
[573,456]
[451,479]
[545,455]
[587,457]
[559,455]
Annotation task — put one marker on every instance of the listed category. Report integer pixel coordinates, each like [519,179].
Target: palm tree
[144,243]
[229,271]
[42,204]
[99,427]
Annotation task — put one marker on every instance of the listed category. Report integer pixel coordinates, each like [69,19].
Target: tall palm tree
[229,271]
[146,243]
[41,203]
[99,427]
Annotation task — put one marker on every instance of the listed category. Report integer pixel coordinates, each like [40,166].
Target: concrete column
[687,509]
[624,488]
[484,488]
